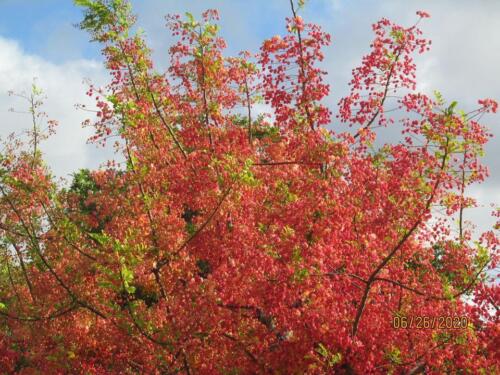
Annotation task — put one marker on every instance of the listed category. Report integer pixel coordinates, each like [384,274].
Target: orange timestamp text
[430,322]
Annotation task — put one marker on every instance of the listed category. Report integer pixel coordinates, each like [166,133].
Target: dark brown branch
[12,284]
[73,306]
[36,246]
[384,97]
[136,91]
[152,224]
[164,122]
[302,70]
[140,329]
[292,162]
[398,246]
[435,297]
[185,363]
[418,361]
[244,348]
[204,93]
[419,368]
[249,111]
[23,268]
[66,239]
[10,230]
[165,260]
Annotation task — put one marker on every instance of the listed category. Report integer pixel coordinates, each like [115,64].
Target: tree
[236,242]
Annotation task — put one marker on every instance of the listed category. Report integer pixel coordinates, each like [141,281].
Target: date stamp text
[429,322]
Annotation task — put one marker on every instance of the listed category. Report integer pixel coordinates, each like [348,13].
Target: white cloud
[63,86]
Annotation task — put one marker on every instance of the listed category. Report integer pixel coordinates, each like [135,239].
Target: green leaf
[330,358]
[335,359]
[394,355]
[322,350]
[128,277]
[297,254]
[83,3]
[190,17]
[100,238]
[300,274]
[439,97]
[190,229]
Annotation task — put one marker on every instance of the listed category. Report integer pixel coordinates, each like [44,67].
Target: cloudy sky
[38,39]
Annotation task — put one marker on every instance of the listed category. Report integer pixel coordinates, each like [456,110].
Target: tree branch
[401,242]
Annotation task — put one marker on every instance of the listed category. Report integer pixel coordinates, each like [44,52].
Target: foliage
[234,241]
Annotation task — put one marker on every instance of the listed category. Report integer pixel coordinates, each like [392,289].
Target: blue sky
[40,25]
[38,39]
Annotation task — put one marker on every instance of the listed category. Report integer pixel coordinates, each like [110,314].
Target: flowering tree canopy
[237,240]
